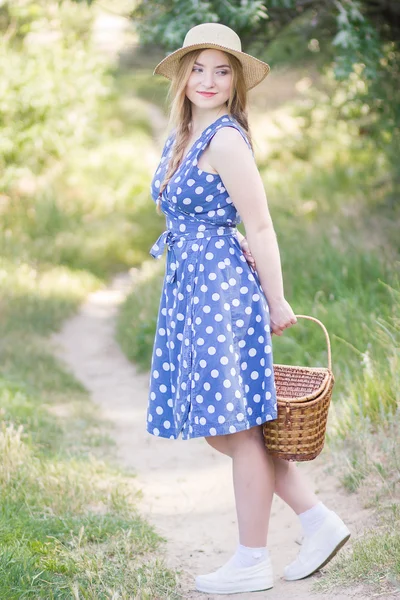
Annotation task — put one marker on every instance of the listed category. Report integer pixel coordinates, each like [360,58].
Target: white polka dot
[187,201]
[210,178]
[227,383]
[240,323]
[214,373]
[230,406]
[212,276]
[252,352]
[235,302]
[255,297]
[240,416]
[159,410]
[206,308]
[232,429]
[218,317]
[200,341]
[156,431]
[258,420]
[221,338]
[232,281]
[213,431]
[209,329]
[204,288]
[199,398]
[254,375]
[257,398]
[211,350]
[206,386]
[268,372]
[224,285]
[167,424]
[267,349]
[209,255]
[223,360]
[215,296]
[221,419]
[159,352]
[268,395]
[190,182]
[152,396]
[199,190]
[203,421]
[156,374]
[211,409]
[166,366]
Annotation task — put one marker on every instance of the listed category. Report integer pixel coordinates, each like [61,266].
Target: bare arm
[230,156]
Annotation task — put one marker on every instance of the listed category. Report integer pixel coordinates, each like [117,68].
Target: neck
[202,118]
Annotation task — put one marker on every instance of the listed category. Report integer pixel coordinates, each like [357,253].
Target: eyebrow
[219,66]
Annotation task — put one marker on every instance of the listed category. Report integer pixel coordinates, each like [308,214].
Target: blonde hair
[181,109]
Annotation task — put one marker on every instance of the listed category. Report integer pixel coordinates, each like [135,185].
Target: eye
[223,72]
[196,69]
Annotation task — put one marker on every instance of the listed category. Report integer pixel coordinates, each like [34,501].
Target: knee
[282,467]
[219,443]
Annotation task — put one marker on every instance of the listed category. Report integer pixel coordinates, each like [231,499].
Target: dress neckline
[196,141]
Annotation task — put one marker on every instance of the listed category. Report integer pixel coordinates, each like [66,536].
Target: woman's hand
[281,317]
[247,253]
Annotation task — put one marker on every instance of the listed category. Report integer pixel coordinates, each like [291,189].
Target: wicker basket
[304,395]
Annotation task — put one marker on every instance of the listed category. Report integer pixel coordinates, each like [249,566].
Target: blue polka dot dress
[211,370]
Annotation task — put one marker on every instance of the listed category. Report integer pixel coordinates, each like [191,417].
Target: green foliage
[136,323]
[168,22]
[68,192]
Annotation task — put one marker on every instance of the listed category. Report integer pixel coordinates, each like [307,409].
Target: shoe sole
[325,562]
[255,587]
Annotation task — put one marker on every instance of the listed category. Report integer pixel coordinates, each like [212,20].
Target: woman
[212,369]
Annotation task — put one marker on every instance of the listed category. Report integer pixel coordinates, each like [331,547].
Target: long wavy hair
[181,109]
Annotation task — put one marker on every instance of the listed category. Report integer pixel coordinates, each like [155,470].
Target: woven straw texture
[304,395]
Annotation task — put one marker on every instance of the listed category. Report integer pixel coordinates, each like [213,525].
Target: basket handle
[328,343]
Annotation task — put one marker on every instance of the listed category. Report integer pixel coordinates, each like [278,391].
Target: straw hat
[215,35]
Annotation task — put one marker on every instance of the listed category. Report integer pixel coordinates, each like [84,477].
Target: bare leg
[292,486]
[253,481]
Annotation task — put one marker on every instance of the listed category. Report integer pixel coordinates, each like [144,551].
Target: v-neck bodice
[193,191]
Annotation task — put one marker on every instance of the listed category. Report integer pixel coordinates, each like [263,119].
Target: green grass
[75,160]
[68,523]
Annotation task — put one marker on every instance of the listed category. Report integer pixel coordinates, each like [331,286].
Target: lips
[207,94]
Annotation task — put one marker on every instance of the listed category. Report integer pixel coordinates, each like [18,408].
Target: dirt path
[187,490]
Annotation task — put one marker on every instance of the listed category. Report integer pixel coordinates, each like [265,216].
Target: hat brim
[254,70]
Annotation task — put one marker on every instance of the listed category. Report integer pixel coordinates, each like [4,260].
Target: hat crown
[213,33]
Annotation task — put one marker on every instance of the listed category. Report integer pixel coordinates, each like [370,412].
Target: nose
[208,78]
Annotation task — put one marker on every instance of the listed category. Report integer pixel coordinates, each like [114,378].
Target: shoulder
[229,140]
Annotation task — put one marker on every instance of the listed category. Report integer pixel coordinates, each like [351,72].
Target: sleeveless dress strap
[227,121]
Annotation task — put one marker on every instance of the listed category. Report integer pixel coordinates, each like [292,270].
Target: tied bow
[167,238]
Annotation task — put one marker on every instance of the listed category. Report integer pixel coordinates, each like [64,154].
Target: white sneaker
[231,580]
[318,549]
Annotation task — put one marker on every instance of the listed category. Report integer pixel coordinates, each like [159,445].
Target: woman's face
[209,84]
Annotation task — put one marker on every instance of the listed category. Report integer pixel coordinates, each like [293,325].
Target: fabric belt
[169,238]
